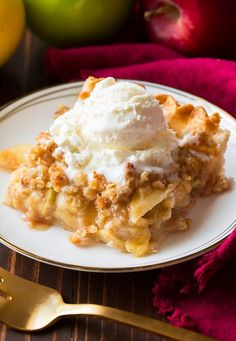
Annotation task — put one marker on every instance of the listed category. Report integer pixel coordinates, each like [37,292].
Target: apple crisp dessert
[122,166]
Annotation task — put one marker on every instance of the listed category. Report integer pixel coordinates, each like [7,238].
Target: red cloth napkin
[201,294]
[198,294]
[213,79]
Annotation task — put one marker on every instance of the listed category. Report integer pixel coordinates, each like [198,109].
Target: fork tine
[3,301]
[5,280]
[9,281]
[5,275]
[4,293]
[13,285]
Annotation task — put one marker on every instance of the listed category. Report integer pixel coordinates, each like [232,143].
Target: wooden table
[132,291]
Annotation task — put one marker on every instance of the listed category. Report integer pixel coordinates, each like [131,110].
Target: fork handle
[133,320]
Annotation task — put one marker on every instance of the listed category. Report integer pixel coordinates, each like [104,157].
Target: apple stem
[168,8]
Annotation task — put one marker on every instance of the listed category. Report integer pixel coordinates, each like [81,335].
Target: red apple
[192,26]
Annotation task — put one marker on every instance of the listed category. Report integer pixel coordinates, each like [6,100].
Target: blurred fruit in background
[77,22]
[12,23]
[192,26]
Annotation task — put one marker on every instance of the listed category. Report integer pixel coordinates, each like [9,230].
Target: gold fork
[29,306]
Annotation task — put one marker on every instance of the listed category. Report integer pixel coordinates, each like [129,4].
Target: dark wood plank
[132,291]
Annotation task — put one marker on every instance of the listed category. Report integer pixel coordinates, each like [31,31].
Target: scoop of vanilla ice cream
[119,122]
[120,115]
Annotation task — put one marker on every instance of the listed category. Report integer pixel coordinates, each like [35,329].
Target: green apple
[77,22]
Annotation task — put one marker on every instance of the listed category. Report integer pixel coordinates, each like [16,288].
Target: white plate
[213,217]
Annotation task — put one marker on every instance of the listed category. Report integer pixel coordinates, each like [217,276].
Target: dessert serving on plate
[122,166]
